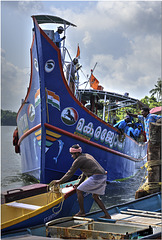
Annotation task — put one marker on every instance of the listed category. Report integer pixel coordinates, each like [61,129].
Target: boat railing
[65,63]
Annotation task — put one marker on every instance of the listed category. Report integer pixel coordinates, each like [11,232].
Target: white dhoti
[95,184]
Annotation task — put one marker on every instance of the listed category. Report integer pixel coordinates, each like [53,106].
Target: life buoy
[15,141]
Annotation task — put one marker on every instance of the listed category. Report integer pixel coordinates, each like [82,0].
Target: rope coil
[54,193]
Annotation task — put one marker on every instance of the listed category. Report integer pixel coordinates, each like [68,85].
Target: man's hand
[55,182]
[76,185]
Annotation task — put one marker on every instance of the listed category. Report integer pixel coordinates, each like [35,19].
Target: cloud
[136,72]
[30,7]
[124,38]
[87,38]
[14,83]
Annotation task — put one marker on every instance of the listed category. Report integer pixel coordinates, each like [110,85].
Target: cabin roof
[51,19]
[109,95]
[115,99]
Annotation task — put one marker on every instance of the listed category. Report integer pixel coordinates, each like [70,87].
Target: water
[11,177]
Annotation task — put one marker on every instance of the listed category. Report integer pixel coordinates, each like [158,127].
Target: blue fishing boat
[54,115]
[132,220]
[137,219]
[38,209]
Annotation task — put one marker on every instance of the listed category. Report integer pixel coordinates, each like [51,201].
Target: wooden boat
[132,220]
[143,225]
[41,208]
[52,118]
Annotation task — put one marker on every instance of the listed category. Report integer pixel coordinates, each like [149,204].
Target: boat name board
[103,135]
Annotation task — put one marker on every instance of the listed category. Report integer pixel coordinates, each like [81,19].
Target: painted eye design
[49,66]
[36,64]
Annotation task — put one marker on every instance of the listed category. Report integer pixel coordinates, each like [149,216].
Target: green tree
[151,102]
[8,118]
[157,90]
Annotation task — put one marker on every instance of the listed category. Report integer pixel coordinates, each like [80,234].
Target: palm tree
[157,90]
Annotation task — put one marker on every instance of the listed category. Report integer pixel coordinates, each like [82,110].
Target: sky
[122,37]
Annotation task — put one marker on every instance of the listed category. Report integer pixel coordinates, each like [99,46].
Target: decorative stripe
[39,137]
[38,133]
[92,143]
[53,134]
[48,144]
[50,138]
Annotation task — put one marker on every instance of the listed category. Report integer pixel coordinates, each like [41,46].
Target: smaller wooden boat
[86,228]
[41,208]
[132,220]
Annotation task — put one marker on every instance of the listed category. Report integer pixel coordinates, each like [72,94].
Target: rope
[55,192]
[144,177]
[149,185]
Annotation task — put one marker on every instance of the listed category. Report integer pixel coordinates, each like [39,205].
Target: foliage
[8,118]
[151,102]
[157,90]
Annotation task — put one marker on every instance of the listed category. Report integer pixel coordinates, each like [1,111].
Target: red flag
[78,52]
[93,82]
[100,88]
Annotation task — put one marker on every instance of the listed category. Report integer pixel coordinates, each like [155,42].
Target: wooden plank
[23,205]
[118,216]
[142,211]
[141,214]
[142,220]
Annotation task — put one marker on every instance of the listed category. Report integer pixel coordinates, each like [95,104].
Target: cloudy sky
[123,37]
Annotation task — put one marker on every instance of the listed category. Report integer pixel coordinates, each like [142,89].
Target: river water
[11,177]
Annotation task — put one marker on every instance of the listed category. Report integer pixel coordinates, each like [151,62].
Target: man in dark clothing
[96,182]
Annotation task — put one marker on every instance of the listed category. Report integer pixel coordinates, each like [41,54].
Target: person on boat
[70,73]
[147,117]
[136,124]
[122,125]
[130,131]
[57,38]
[137,132]
[95,183]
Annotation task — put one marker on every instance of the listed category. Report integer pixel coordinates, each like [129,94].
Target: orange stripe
[39,137]
[50,138]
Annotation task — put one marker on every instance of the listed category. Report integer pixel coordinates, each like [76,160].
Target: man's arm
[69,174]
[131,114]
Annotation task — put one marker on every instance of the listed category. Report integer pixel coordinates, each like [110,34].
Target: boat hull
[52,119]
[68,207]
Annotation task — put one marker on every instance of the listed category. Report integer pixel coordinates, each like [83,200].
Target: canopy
[156,110]
[51,19]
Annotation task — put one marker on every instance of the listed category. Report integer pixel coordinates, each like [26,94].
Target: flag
[93,82]
[37,98]
[100,88]
[78,52]
[53,99]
